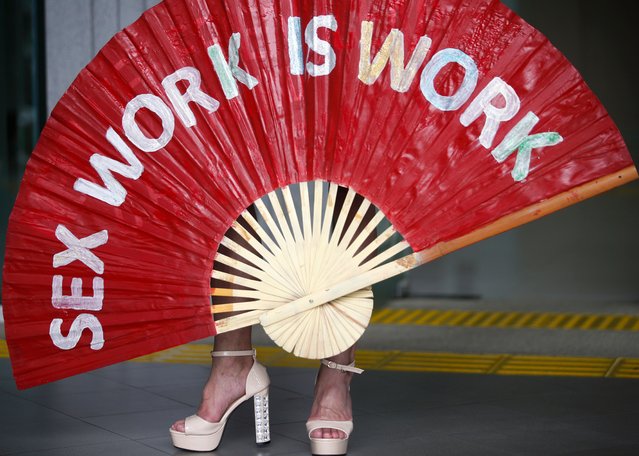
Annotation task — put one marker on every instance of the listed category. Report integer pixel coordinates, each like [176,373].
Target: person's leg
[227,379]
[332,398]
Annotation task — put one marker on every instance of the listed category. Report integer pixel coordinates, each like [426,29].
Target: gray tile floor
[126,409]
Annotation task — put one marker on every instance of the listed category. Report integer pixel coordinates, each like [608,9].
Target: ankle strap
[224,353]
[341,367]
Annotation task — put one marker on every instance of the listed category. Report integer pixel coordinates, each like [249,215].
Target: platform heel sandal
[202,435]
[325,447]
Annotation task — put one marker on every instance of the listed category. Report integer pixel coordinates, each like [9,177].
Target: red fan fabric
[202,106]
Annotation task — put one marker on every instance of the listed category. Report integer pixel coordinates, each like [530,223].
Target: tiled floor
[126,409]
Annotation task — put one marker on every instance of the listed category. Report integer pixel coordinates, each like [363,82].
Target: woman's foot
[332,401]
[225,385]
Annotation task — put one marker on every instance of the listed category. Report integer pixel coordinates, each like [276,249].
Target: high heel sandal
[202,435]
[332,446]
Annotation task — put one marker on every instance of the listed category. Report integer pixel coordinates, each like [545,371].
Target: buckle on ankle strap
[342,367]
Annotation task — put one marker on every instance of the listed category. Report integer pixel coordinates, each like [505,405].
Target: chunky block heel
[262,425]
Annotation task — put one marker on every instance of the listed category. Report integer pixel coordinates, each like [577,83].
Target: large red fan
[456,119]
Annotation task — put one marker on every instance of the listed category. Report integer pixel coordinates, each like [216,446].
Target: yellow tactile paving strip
[392,360]
[497,319]
[4,352]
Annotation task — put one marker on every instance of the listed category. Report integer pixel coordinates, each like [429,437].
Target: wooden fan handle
[533,212]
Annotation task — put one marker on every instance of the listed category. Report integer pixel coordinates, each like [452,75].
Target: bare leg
[227,379]
[332,396]
[332,399]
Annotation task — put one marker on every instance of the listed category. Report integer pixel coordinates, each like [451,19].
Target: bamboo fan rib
[304,239]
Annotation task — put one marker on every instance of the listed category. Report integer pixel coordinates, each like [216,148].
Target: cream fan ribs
[304,244]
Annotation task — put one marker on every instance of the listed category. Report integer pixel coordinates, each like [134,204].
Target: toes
[178,426]
[328,433]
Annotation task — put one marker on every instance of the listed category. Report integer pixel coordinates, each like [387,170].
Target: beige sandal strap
[223,353]
[345,426]
[196,425]
[342,367]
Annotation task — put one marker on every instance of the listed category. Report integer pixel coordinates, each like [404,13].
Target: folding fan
[452,120]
